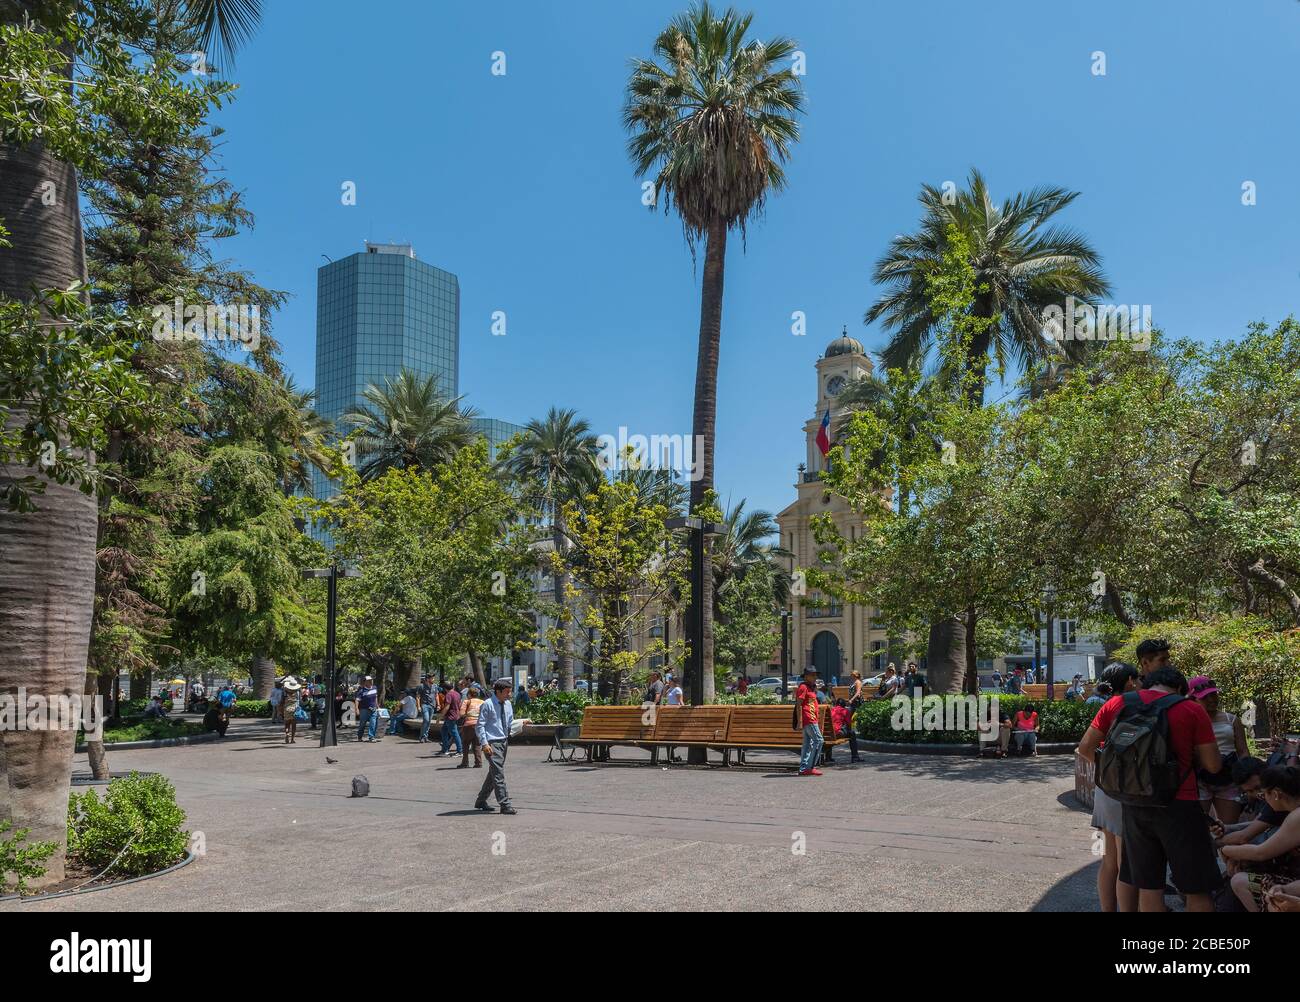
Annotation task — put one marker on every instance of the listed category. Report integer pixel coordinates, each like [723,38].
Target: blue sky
[520,185]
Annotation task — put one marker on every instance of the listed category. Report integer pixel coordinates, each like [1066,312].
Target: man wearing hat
[367,704]
[806,709]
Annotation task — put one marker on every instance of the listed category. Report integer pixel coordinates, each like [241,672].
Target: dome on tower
[844,345]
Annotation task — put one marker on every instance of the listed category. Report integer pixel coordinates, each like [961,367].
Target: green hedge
[148,730]
[755,697]
[251,708]
[138,819]
[19,863]
[1057,721]
[558,707]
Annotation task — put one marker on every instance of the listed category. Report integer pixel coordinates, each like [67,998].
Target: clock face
[835,385]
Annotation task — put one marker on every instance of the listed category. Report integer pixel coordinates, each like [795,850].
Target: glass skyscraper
[378,312]
[496,431]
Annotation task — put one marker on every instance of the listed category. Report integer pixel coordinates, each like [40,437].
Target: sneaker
[805,772]
[507,809]
[482,807]
[814,772]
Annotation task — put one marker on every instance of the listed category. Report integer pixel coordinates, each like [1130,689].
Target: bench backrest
[763,725]
[615,723]
[692,724]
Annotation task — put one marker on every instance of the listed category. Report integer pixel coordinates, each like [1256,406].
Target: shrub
[138,819]
[251,708]
[1057,721]
[755,697]
[558,707]
[1247,658]
[19,864]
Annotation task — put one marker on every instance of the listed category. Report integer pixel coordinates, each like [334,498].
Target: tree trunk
[47,571]
[704,419]
[972,679]
[141,683]
[476,667]
[263,675]
[95,752]
[563,656]
[406,674]
[945,664]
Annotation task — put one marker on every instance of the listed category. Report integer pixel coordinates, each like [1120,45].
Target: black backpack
[1138,765]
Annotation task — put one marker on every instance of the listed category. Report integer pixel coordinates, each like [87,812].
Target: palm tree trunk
[945,662]
[563,656]
[704,419]
[263,675]
[47,576]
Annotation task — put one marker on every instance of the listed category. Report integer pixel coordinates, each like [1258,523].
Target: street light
[1049,601]
[328,734]
[699,529]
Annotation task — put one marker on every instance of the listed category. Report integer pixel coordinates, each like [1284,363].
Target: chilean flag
[824,434]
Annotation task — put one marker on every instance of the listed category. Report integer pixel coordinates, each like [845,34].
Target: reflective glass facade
[497,432]
[378,312]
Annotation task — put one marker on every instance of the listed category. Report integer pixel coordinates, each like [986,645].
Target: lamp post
[785,653]
[328,733]
[699,529]
[1049,600]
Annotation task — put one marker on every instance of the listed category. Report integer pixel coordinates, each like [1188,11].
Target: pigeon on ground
[331,761]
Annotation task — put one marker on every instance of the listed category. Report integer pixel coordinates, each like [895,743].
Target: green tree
[712,122]
[408,424]
[555,462]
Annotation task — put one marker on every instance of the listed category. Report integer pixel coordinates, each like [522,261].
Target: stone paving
[895,833]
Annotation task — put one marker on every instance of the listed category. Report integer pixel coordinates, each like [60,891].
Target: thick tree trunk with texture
[704,420]
[945,668]
[406,674]
[47,557]
[263,676]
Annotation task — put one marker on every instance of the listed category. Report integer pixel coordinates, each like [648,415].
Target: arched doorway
[826,655]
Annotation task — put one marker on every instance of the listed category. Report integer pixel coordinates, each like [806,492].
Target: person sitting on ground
[1276,861]
[155,709]
[216,719]
[1075,691]
[1024,729]
[842,725]
[1257,819]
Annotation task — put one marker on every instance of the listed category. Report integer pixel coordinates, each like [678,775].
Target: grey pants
[496,777]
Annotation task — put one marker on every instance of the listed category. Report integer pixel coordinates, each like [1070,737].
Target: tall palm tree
[556,459]
[47,575]
[408,424]
[712,121]
[306,436]
[1021,263]
[744,546]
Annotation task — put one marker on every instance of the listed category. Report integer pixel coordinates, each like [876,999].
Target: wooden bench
[603,726]
[768,728]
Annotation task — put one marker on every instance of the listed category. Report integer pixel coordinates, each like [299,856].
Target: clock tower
[833,638]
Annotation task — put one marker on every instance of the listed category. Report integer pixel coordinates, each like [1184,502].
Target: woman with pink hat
[1230,736]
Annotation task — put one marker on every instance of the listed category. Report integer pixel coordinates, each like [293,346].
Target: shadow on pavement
[1075,893]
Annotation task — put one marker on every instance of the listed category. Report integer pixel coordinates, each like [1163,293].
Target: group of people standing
[1227,831]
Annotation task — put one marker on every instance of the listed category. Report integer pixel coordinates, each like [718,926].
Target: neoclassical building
[826,635]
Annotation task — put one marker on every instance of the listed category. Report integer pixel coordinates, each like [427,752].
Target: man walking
[807,708]
[494,719]
[451,721]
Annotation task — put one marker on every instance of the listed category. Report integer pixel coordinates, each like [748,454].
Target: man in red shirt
[1177,834]
[805,701]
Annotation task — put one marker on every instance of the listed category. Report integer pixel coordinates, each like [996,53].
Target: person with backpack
[1108,813]
[1155,739]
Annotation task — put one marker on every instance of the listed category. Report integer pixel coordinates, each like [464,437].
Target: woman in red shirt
[1024,728]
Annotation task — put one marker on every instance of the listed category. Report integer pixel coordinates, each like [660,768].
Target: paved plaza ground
[895,833]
